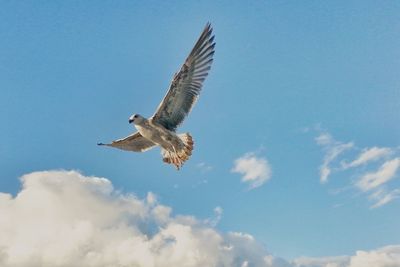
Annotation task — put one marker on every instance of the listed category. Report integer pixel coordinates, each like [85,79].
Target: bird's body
[160,129]
[159,135]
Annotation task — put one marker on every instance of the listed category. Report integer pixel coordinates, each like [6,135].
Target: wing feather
[134,142]
[186,84]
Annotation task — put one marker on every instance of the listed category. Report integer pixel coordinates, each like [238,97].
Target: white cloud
[324,139]
[382,197]
[388,256]
[368,155]
[63,219]
[217,217]
[385,173]
[332,149]
[255,170]
[374,182]
[204,167]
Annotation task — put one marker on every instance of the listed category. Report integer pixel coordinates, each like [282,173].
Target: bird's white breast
[146,131]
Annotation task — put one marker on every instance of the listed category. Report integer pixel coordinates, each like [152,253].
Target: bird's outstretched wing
[134,142]
[186,84]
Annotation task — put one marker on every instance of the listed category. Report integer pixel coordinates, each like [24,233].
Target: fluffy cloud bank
[63,219]
[384,257]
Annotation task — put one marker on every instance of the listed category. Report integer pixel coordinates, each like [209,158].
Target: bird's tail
[179,157]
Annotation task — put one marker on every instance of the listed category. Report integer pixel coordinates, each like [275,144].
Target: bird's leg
[179,161]
[171,157]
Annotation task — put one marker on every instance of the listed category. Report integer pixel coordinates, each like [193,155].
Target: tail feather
[179,157]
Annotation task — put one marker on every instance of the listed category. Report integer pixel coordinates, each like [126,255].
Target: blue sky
[284,74]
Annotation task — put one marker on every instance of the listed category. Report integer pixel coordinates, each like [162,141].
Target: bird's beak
[130,120]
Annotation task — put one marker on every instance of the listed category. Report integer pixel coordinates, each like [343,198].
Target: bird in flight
[160,129]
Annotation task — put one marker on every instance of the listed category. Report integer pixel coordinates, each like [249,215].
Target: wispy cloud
[333,149]
[382,197]
[255,170]
[368,155]
[216,218]
[204,167]
[374,181]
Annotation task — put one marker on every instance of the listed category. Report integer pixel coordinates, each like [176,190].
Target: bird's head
[136,119]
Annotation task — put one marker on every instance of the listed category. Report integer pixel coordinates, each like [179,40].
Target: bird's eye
[135,116]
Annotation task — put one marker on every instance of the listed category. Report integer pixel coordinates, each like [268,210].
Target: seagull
[160,129]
